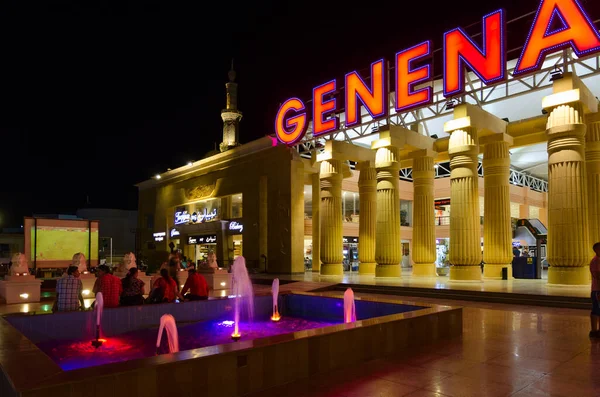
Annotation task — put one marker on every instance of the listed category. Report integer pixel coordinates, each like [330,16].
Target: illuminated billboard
[51,243]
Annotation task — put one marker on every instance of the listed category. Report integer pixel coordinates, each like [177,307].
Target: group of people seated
[130,290]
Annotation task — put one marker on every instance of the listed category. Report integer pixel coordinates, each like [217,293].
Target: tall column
[316,223]
[424,217]
[367,228]
[497,230]
[388,250]
[465,228]
[331,218]
[592,164]
[569,250]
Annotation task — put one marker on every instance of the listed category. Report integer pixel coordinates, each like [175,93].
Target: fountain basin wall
[231,369]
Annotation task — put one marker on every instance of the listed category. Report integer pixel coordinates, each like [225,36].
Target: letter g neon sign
[291,130]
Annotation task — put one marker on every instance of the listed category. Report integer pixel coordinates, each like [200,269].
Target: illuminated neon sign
[236,227]
[413,67]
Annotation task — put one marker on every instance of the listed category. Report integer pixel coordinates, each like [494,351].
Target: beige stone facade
[270,181]
[347,204]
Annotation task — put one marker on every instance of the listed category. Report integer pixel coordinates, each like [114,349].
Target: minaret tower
[231,115]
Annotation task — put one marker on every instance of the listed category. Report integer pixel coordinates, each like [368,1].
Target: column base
[494,271]
[332,270]
[465,273]
[571,275]
[366,268]
[388,271]
[424,270]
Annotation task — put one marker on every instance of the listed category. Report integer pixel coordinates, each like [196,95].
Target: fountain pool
[311,337]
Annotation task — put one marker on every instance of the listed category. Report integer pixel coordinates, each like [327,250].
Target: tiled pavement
[504,351]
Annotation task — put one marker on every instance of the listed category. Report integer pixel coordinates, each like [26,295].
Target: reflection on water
[72,354]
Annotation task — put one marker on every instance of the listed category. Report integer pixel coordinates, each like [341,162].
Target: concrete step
[569,302]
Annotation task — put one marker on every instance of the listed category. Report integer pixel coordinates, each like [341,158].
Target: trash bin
[504,273]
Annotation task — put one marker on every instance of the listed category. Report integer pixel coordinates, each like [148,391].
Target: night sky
[96,96]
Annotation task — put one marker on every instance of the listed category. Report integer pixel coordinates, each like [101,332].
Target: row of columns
[574,185]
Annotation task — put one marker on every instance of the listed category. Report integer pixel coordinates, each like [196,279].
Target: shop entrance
[202,246]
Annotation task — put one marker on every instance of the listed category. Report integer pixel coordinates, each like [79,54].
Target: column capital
[467,115]
[577,95]
[344,151]
[402,138]
[417,154]
[496,138]
[364,165]
[570,89]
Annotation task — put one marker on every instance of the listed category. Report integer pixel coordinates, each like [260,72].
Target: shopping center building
[454,176]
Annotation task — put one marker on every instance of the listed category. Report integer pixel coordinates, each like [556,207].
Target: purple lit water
[71,354]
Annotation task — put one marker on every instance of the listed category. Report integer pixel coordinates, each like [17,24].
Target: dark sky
[96,96]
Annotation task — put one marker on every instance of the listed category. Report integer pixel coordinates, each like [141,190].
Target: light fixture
[157,176]
[451,103]
[189,163]
[506,119]
[85,292]
[556,74]
[223,284]
[436,166]
[544,111]
[24,296]
[434,136]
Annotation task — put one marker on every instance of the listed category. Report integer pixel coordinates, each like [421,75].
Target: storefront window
[236,206]
[534,212]
[350,206]
[514,210]
[237,246]
[405,213]
[307,202]
[442,212]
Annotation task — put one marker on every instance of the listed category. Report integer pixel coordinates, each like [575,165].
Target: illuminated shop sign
[351,240]
[206,216]
[209,239]
[159,236]
[174,233]
[558,24]
[236,227]
[440,202]
[183,217]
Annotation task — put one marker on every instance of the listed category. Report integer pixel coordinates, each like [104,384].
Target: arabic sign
[209,239]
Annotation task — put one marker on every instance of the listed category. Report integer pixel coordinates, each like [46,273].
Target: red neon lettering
[294,128]
[321,108]
[374,99]
[577,31]
[406,77]
[488,64]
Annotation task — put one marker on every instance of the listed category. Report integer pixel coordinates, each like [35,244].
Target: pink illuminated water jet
[243,292]
[98,307]
[349,307]
[167,323]
[275,291]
